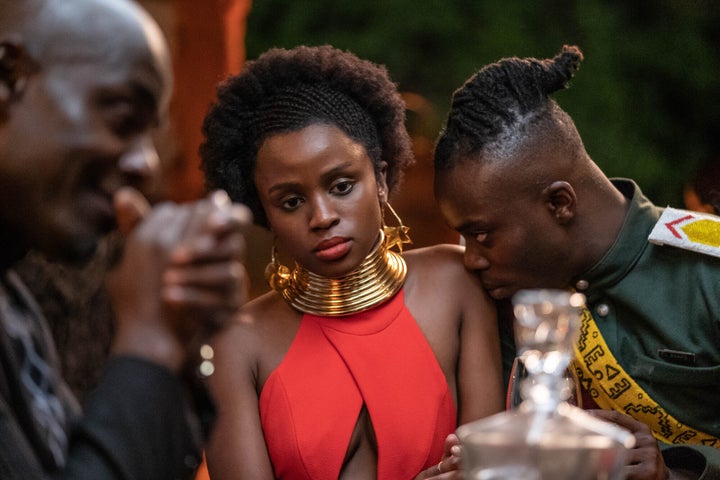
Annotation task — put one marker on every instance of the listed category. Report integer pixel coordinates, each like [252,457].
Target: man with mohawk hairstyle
[83,83]
[514,179]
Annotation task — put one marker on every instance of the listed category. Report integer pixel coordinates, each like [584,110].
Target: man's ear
[16,66]
[561,201]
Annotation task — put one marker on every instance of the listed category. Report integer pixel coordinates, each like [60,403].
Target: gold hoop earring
[395,236]
[277,274]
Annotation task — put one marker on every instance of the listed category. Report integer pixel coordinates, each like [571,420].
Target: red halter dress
[380,358]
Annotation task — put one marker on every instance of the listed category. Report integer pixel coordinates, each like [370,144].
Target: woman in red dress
[362,359]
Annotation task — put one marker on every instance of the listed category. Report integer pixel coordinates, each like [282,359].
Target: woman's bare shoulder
[264,308]
[442,258]
[440,268]
[257,320]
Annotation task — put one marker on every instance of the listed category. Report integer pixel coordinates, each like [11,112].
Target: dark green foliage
[646,99]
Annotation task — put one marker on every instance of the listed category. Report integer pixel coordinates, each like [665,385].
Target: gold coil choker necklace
[377,278]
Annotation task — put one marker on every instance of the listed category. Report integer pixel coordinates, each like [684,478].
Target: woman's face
[321,196]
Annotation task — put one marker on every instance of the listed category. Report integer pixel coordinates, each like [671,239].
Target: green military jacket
[647,300]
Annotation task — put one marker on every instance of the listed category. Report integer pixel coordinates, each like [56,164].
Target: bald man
[83,83]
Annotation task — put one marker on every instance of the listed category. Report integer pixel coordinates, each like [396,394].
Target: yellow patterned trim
[613,389]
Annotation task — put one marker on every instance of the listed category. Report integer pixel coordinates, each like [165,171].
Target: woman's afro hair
[283,90]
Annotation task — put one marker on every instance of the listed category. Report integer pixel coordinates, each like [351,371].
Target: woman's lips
[332,249]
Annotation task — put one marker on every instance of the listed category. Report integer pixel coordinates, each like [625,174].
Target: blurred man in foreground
[83,83]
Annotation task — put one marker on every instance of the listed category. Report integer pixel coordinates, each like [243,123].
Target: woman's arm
[480,385]
[460,322]
[237,447]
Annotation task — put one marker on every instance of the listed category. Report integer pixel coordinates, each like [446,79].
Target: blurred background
[646,101]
